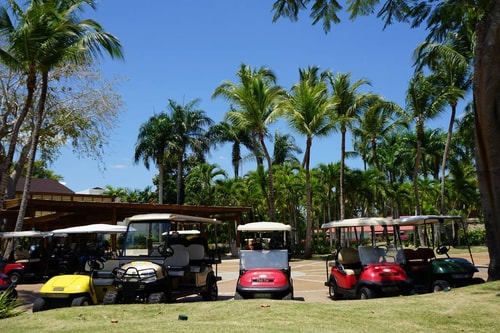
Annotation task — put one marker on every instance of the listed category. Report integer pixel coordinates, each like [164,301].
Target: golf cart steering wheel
[443,249]
[169,252]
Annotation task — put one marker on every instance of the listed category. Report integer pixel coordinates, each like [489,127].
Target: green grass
[469,309]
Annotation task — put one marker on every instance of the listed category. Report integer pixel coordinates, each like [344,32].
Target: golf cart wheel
[15,277]
[440,285]
[156,298]
[110,297]
[39,305]
[288,297]
[332,291]
[212,290]
[477,280]
[81,301]
[366,293]
[237,296]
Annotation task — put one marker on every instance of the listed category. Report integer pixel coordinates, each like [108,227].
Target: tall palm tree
[48,34]
[152,141]
[454,75]
[255,96]
[189,133]
[308,112]
[349,104]
[422,103]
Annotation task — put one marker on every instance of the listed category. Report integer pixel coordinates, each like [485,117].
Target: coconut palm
[189,133]
[349,104]
[152,141]
[453,75]
[308,112]
[43,36]
[379,119]
[284,149]
[255,96]
[200,183]
[422,103]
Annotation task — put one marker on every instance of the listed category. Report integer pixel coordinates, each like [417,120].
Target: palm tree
[153,140]
[189,132]
[349,104]
[48,35]
[284,149]
[308,112]
[454,76]
[226,132]
[379,119]
[200,182]
[255,97]
[422,103]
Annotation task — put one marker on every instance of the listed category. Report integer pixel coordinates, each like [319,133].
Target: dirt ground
[308,276]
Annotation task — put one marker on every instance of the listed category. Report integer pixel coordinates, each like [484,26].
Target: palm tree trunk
[270,180]
[179,182]
[34,144]
[342,171]
[445,156]
[486,111]
[308,245]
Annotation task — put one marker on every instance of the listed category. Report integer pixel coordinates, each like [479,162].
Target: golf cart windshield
[380,254]
[277,259]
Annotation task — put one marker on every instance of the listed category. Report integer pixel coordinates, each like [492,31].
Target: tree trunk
[308,245]
[342,172]
[445,157]
[487,127]
[32,155]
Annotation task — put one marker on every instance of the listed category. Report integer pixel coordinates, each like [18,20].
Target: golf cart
[264,268]
[73,289]
[159,264]
[27,261]
[366,268]
[86,287]
[431,266]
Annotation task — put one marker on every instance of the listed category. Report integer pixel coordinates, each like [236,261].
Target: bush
[474,237]
[8,304]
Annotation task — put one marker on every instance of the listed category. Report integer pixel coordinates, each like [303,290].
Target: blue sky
[183,50]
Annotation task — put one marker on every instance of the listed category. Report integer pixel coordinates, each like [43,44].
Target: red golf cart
[264,265]
[364,267]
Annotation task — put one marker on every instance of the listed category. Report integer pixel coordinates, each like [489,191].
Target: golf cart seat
[196,256]
[348,259]
[178,263]
[417,260]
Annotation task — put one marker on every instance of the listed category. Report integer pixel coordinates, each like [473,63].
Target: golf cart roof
[91,228]
[264,226]
[27,233]
[170,217]
[360,222]
[422,219]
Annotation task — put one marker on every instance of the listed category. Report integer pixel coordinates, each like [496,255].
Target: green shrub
[8,305]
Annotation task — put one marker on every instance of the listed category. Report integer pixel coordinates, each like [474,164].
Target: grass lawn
[469,309]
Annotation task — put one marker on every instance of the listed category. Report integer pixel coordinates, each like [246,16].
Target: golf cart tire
[157,298]
[332,290]
[440,285]
[15,277]
[212,292]
[288,297]
[366,293]
[110,297]
[39,305]
[478,280]
[80,301]
[237,296]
